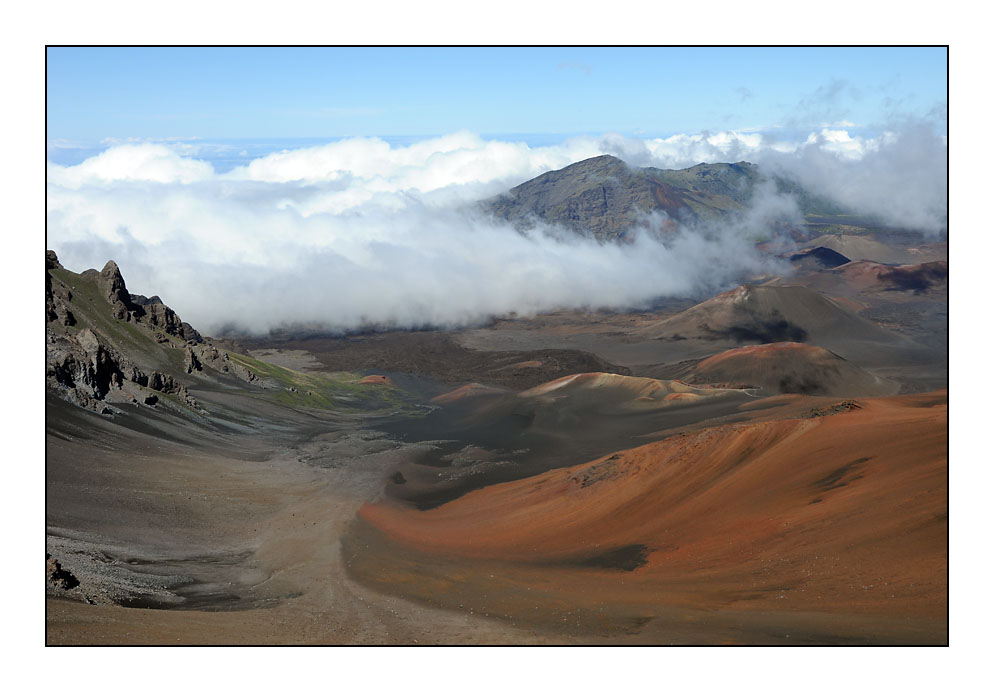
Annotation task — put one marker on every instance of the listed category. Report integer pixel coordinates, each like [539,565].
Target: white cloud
[358,231]
[899,176]
[682,150]
[840,142]
[132,162]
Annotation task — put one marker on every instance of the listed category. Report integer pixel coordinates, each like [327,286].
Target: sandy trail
[285,516]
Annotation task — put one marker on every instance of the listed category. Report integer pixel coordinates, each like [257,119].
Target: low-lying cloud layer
[358,232]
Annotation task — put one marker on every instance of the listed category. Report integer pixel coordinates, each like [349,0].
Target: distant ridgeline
[606,197]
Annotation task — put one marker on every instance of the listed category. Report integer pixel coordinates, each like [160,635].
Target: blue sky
[214,93]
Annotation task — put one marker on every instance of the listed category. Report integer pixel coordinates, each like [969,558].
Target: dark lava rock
[58,576]
[820,257]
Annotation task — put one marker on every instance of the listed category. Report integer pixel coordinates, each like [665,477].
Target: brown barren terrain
[767,465]
[834,523]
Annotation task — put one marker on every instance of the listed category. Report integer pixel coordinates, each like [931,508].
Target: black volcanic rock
[820,257]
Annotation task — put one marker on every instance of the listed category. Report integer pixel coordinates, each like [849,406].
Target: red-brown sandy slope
[789,367]
[768,313]
[909,277]
[843,513]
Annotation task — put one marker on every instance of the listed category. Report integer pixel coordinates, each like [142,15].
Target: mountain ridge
[605,197]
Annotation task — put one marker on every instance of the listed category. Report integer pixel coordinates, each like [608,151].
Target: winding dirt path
[288,516]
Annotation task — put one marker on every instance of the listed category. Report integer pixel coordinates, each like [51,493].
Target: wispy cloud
[572,65]
[62,143]
[110,141]
[831,102]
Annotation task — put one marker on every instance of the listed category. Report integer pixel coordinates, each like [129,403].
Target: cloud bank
[359,233]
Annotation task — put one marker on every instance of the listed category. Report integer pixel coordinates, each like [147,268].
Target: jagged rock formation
[105,346]
[91,374]
[137,308]
[116,291]
[207,354]
[190,360]
[58,577]
[161,315]
[56,299]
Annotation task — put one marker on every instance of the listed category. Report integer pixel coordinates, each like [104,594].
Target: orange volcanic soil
[623,391]
[468,391]
[767,312]
[842,515]
[602,390]
[376,379]
[790,367]
[862,273]
[867,275]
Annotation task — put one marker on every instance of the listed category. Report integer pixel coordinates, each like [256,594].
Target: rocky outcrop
[209,355]
[57,298]
[148,312]
[190,360]
[87,372]
[158,314]
[112,283]
[58,576]
[94,366]
[83,365]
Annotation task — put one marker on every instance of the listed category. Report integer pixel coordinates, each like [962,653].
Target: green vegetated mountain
[606,197]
